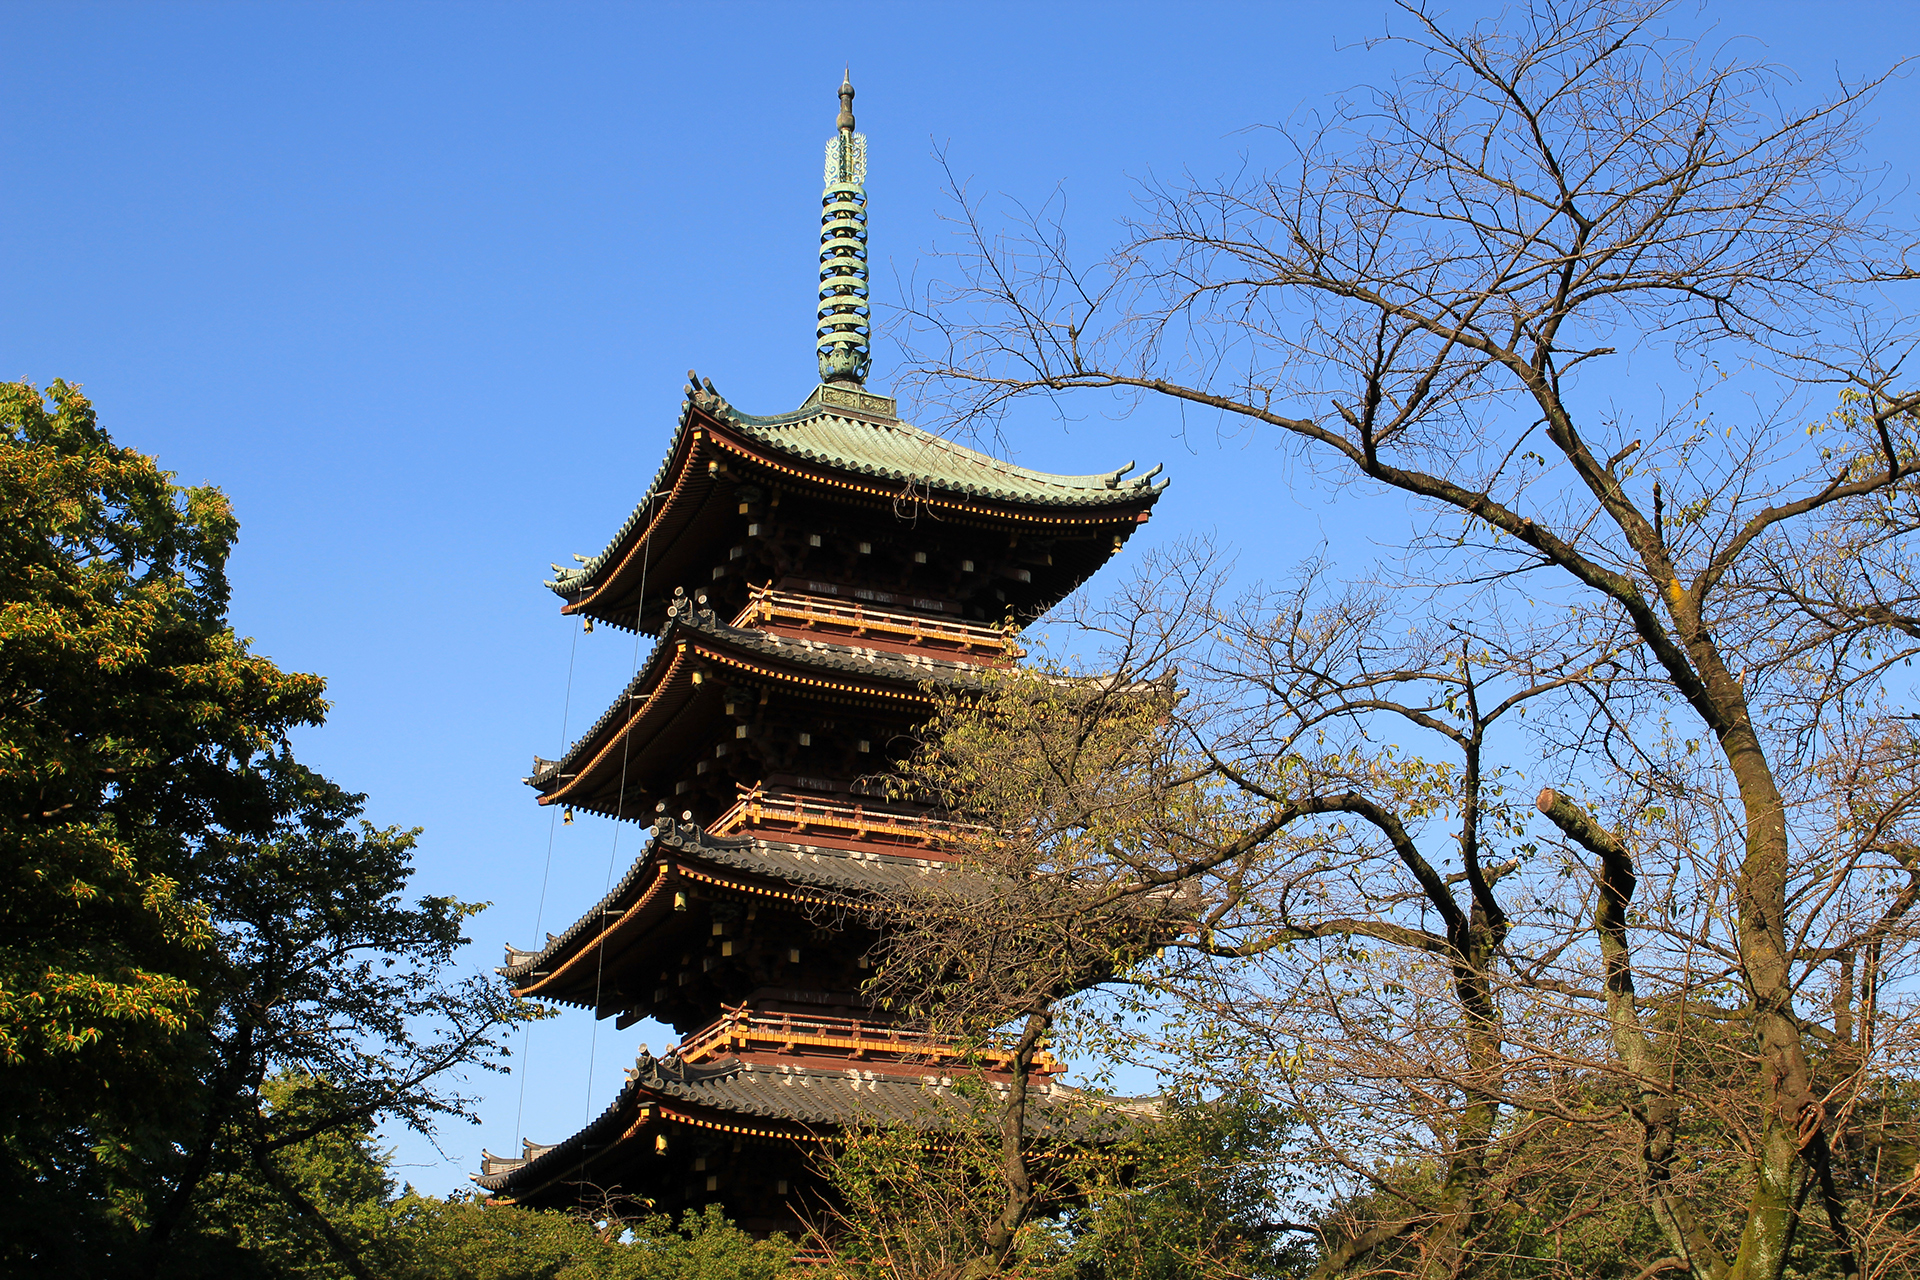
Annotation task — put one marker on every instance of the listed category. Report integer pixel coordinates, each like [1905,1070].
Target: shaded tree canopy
[188,910]
[135,724]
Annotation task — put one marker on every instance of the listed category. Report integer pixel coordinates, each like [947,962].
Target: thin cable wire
[566,712]
[619,810]
[540,912]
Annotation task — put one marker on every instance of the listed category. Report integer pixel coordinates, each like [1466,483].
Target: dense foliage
[1180,1188]
[187,910]
[134,723]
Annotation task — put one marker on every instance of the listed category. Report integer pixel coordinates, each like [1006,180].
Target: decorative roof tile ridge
[734,417]
[691,837]
[668,1069]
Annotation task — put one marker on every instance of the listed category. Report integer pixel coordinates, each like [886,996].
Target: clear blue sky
[418,286]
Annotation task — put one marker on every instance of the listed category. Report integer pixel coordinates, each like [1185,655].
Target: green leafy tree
[929,1199]
[248,1226]
[1189,1190]
[322,969]
[133,724]
[187,910]
[1203,1192]
[461,1239]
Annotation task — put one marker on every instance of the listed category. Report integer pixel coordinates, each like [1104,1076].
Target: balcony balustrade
[741,1029]
[962,640]
[774,811]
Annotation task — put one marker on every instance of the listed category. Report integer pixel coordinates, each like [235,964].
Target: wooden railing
[851,617]
[740,1028]
[792,812]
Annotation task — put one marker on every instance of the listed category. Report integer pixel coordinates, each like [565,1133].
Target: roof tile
[885,448]
[843,870]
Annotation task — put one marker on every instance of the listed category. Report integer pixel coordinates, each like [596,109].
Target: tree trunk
[1448,1246]
[168,1216]
[1654,1111]
[1793,1111]
[998,1244]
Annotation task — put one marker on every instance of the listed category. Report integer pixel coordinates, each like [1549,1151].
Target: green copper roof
[854,430]
[869,440]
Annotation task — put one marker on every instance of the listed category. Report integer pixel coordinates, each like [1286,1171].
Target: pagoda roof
[857,437]
[664,685]
[870,441]
[748,864]
[796,1102]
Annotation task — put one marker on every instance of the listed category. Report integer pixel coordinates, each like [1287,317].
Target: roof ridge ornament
[844,335]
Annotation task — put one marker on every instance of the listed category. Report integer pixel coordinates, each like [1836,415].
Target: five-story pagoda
[807,576]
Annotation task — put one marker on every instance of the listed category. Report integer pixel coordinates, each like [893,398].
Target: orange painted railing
[790,811]
[740,1028]
[854,618]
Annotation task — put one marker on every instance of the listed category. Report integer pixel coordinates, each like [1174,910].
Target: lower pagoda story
[815,582]
[739,1115]
[736,1114]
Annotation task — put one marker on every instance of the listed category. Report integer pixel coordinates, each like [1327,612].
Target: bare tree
[1161,841]
[1700,974]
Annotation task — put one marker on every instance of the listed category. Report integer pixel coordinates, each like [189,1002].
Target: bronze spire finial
[846,101]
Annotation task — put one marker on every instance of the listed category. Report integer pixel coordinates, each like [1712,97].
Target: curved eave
[638,1110]
[582,962]
[710,436]
[665,688]
[571,1154]
[780,874]
[610,745]
[672,502]
[794,1104]
[667,836]
[579,957]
